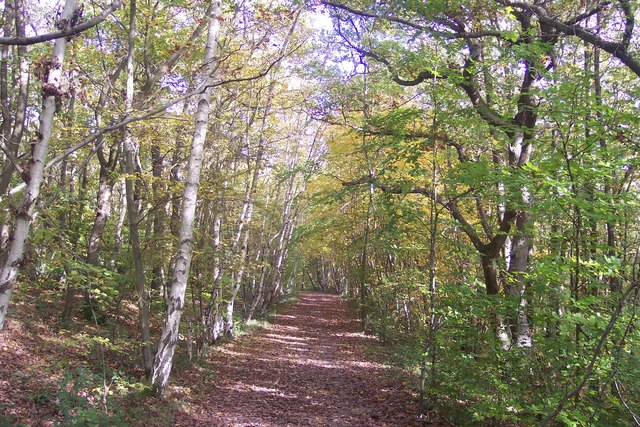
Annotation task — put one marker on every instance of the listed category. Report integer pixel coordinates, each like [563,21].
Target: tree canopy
[465,172]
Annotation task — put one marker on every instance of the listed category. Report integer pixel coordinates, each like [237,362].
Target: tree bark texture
[166,348]
[51,91]
[132,210]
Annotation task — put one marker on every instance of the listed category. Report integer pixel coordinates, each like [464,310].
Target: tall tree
[166,348]
[52,92]
[129,153]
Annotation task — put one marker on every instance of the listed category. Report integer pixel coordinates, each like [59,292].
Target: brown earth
[311,367]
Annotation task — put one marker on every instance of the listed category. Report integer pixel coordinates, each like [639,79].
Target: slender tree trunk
[614,282]
[103,212]
[13,144]
[7,119]
[169,339]
[430,344]
[214,320]
[252,183]
[260,258]
[159,223]
[106,180]
[132,211]
[517,268]
[242,236]
[65,226]
[63,223]
[286,228]
[122,215]
[14,14]
[51,91]
[240,241]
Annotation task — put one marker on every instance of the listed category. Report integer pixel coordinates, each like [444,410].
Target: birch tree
[52,91]
[166,348]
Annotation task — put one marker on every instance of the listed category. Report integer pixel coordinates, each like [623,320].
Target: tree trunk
[214,321]
[132,212]
[13,144]
[286,228]
[519,259]
[260,258]
[122,214]
[159,220]
[103,212]
[614,281]
[242,236]
[7,120]
[106,180]
[13,141]
[27,209]
[169,339]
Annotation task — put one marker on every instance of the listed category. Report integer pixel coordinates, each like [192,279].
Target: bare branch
[25,41]
[472,91]
[411,24]
[170,63]
[588,14]
[636,418]
[422,76]
[10,156]
[484,221]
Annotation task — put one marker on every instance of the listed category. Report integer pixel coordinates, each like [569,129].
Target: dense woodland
[464,172]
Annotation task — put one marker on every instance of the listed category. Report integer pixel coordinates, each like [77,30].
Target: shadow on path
[309,368]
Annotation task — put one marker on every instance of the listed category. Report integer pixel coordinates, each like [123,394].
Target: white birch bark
[22,98]
[245,222]
[260,258]
[519,253]
[519,260]
[285,228]
[166,348]
[27,209]
[252,181]
[246,213]
[214,320]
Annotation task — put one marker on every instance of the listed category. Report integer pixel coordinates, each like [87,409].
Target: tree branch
[472,91]
[629,23]
[422,76]
[450,205]
[10,156]
[411,24]
[25,41]
[173,59]
[588,14]
[130,119]
[618,50]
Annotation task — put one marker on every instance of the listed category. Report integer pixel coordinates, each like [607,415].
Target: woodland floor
[311,367]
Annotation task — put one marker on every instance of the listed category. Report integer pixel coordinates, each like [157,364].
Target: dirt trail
[310,368]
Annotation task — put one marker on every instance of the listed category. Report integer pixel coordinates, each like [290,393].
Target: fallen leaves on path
[311,367]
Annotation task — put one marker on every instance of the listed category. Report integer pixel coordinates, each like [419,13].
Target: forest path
[311,367]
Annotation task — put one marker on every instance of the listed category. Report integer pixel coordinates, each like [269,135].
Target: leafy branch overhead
[451,186]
